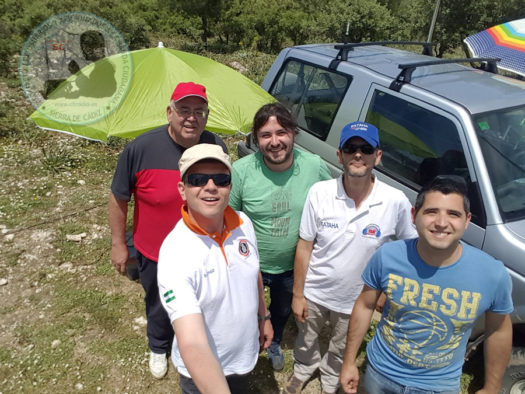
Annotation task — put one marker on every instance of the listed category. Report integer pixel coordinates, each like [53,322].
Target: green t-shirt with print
[274,202]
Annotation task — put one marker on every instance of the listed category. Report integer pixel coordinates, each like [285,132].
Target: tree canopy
[265,25]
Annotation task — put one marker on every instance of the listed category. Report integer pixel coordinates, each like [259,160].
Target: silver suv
[434,117]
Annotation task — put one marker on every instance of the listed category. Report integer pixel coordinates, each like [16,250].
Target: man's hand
[349,378]
[300,308]
[117,213]
[265,325]
[195,350]
[265,334]
[119,257]
[497,349]
[303,252]
[381,303]
[357,328]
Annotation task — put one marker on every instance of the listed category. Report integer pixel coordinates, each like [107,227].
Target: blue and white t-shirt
[430,312]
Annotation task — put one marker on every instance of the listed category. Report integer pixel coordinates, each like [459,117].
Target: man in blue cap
[344,221]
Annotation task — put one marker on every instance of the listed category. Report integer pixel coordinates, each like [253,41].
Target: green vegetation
[263,25]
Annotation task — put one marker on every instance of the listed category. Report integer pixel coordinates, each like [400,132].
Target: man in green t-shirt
[270,186]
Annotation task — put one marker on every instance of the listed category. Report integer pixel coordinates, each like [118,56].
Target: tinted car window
[419,144]
[312,93]
[501,135]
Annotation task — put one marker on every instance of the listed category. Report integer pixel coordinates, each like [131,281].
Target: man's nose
[210,184]
[441,219]
[192,116]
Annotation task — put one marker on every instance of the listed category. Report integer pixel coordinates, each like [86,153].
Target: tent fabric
[125,95]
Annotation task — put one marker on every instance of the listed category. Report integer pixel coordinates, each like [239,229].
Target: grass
[61,296]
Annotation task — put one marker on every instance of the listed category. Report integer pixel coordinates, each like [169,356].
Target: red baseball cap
[187,89]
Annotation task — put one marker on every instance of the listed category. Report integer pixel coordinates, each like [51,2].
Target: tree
[207,10]
[456,19]
[268,25]
[368,20]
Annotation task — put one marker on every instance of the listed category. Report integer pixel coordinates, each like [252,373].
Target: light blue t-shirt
[429,313]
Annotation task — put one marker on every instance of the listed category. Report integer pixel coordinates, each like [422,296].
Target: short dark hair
[445,184]
[283,115]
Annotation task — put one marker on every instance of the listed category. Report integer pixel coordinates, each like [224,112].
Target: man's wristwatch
[263,318]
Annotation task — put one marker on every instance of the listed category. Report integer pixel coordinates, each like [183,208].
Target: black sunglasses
[365,149]
[202,179]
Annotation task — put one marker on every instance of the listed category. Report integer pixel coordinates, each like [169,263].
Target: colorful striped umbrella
[505,41]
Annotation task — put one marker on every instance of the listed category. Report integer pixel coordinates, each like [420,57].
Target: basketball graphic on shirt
[422,328]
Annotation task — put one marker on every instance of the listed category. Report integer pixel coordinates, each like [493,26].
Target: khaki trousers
[307,353]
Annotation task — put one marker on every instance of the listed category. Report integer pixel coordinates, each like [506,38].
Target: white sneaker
[158,365]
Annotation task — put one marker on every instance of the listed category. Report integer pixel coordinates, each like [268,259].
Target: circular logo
[244,249]
[75,68]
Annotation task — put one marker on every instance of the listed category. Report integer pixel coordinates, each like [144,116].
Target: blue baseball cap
[364,130]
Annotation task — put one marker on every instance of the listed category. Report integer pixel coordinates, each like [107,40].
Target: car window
[312,93]
[419,144]
[501,135]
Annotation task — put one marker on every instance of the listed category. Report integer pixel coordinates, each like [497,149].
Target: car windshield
[501,135]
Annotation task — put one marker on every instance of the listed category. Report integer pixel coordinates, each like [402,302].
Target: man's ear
[339,156]
[182,190]
[379,154]
[469,217]
[254,138]
[413,212]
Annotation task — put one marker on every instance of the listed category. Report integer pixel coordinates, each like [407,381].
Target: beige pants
[307,353]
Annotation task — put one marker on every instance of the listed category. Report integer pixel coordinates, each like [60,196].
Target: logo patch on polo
[168,296]
[372,231]
[244,249]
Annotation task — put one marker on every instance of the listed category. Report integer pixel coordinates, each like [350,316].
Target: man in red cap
[148,169]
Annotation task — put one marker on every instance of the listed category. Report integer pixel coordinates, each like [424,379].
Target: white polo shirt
[216,277]
[345,238]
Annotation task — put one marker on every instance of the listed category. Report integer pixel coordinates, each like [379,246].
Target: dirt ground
[29,300]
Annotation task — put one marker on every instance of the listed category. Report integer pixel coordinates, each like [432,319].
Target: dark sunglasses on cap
[198,180]
[366,149]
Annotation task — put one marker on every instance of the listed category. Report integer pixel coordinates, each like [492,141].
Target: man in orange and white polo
[209,280]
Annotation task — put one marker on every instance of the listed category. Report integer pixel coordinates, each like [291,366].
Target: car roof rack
[405,76]
[345,48]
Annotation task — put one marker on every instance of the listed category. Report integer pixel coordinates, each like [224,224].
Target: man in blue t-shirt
[436,287]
